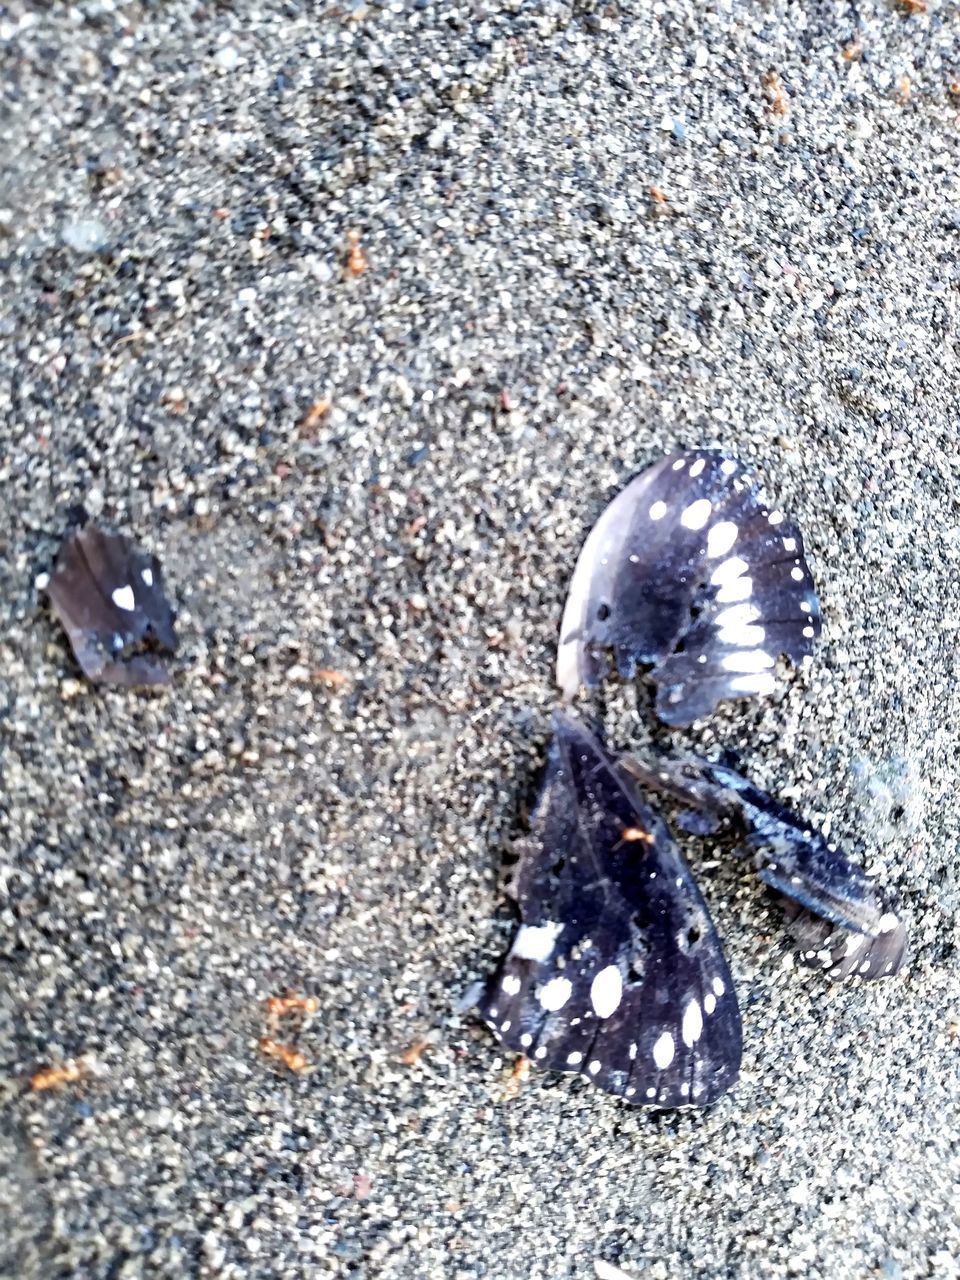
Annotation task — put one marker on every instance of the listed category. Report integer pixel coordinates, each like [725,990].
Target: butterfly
[688,571]
[834,911]
[109,597]
[616,970]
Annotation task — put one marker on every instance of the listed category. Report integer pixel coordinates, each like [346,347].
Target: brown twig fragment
[53,1077]
[292,1059]
[356,258]
[316,413]
[331,678]
[778,102]
[284,1006]
[519,1074]
[411,1056]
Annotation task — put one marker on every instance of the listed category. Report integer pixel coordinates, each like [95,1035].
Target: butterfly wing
[109,597]
[844,953]
[687,571]
[616,971]
[837,918]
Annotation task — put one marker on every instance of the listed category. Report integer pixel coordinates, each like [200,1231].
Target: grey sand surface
[534,326]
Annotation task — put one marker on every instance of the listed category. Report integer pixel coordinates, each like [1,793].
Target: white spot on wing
[147,576]
[728,572]
[887,922]
[721,537]
[536,941]
[679,464]
[663,1051]
[709,1002]
[511,984]
[526,1039]
[737,589]
[749,660]
[697,467]
[658,511]
[796,573]
[123,598]
[594,1067]
[692,1025]
[718,987]
[555,994]
[738,615]
[775,517]
[697,514]
[574,1059]
[761,683]
[606,991]
[741,635]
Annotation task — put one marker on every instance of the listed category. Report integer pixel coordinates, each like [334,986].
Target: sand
[590,233]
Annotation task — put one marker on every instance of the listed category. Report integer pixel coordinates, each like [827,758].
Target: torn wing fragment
[109,597]
[616,971]
[688,572]
[833,909]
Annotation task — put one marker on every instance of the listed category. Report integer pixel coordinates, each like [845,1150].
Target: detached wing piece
[834,911]
[616,971]
[109,597]
[688,572]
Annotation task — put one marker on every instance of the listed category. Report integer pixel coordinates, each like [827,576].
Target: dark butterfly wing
[844,953]
[616,971]
[109,597]
[837,919]
[687,571]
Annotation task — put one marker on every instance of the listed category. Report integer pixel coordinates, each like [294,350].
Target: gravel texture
[592,232]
